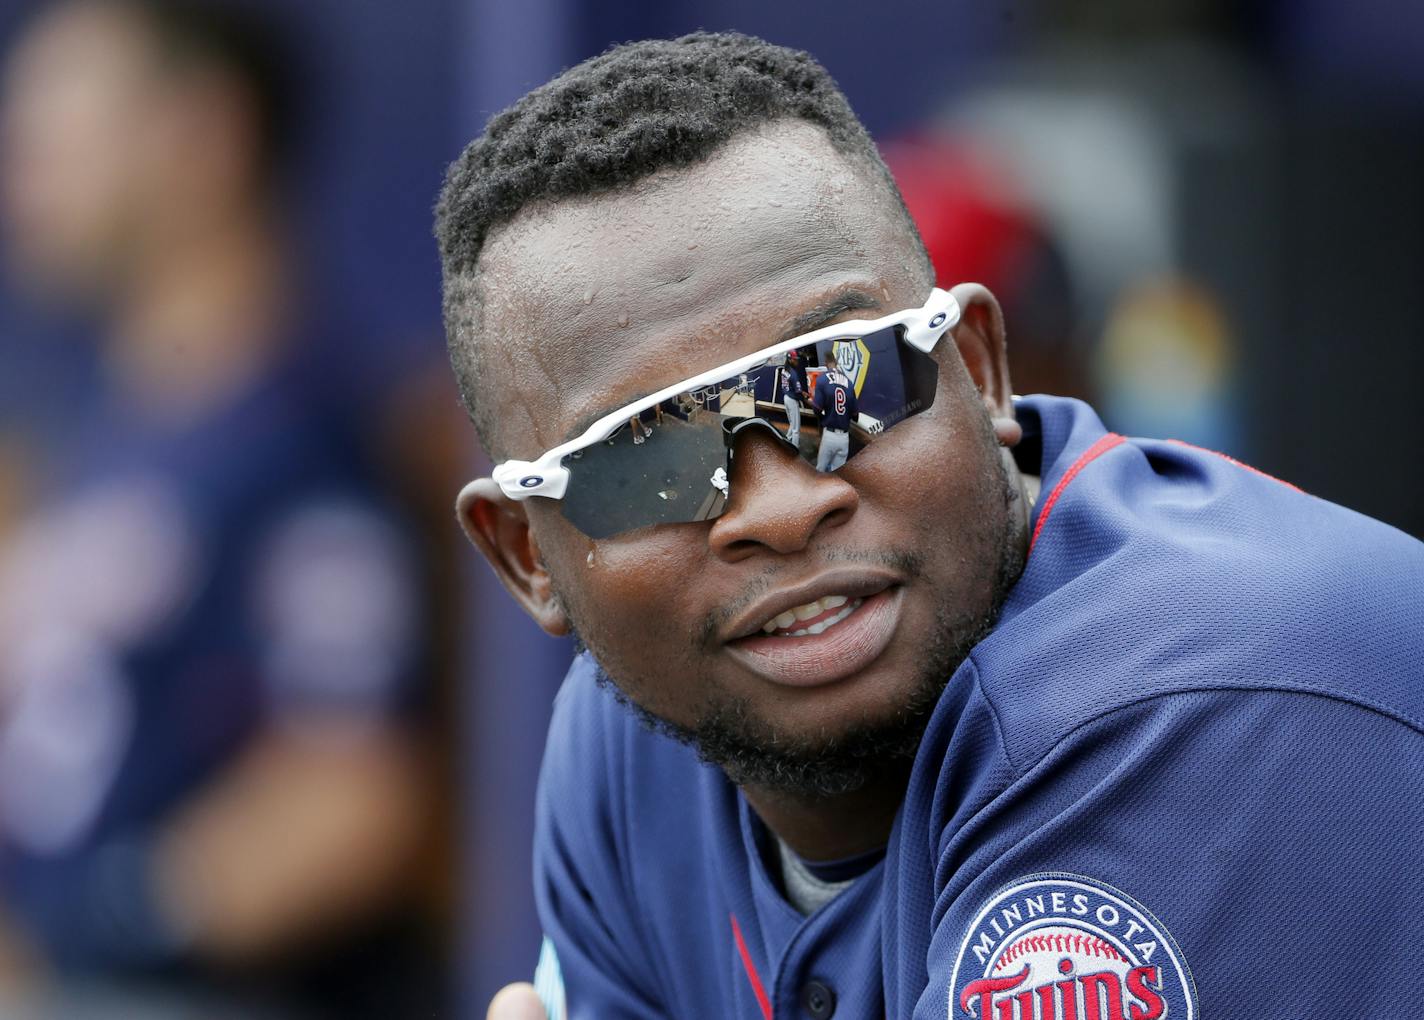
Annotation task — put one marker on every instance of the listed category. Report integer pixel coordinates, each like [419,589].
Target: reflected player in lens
[793,391]
[836,401]
[639,428]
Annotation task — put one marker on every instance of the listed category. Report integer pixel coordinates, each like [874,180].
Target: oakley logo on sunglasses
[531,481]
[937,320]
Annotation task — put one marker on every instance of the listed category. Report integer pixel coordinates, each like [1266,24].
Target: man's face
[591,304]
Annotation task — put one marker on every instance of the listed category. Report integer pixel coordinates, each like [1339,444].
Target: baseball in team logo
[1065,947]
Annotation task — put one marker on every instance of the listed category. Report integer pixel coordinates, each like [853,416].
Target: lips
[823,590]
[798,656]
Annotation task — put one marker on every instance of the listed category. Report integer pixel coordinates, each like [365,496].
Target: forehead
[592,303]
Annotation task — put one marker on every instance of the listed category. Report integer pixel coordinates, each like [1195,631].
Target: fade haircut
[640,108]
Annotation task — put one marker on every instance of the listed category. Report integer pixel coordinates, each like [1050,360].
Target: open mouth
[812,617]
[820,642]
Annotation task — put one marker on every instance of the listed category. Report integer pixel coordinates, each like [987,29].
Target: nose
[777,501]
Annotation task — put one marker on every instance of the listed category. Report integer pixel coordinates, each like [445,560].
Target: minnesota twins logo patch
[1065,947]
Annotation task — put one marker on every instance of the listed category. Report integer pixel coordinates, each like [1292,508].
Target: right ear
[499,527]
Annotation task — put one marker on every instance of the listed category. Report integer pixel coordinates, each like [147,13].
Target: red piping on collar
[1092,453]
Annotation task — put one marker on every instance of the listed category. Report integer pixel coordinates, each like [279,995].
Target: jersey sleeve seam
[994,717]
[1359,703]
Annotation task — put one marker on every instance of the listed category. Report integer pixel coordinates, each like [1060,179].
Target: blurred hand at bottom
[516,1002]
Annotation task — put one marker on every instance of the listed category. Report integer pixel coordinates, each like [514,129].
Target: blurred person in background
[210,629]
[979,224]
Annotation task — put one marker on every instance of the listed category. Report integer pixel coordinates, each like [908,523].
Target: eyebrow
[847,299]
[850,299]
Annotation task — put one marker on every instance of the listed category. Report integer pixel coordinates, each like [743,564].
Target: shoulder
[1249,823]
[1159,568]
[603,767]
[628,825]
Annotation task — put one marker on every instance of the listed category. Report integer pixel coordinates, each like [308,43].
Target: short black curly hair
[609,122]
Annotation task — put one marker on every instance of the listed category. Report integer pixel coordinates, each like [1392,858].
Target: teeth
[809,610]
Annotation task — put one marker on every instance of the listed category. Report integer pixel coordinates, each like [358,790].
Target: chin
[832,744]
[811,765]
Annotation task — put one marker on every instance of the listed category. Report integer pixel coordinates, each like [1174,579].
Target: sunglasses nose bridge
[731,430]
[735,433]
[775,502]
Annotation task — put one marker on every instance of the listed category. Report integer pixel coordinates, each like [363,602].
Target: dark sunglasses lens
[670,465]
[892,381]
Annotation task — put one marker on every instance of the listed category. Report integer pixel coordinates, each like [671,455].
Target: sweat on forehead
[586,301]
[611,124]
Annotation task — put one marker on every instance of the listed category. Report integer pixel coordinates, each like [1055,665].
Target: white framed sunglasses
[666,457]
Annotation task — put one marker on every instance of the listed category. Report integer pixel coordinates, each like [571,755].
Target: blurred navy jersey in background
[177,587]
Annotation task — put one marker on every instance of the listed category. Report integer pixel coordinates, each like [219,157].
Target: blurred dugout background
[268,731]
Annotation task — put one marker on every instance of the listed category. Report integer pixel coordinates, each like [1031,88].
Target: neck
[199,317]
[831,828]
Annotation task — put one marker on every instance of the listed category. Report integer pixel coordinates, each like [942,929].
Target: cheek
[935,460]
[937,482]
[634,601]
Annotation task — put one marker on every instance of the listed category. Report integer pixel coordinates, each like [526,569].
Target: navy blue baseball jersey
[792,384]
[798,368]
[177,589]
[835,399]
[1183,777]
